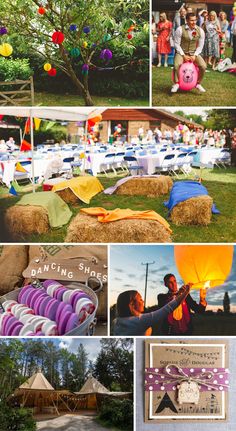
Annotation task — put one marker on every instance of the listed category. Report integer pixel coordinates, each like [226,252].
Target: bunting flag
[49,125]
[89,159]
[37,123]
[27,127]
[19,167]
[12,191]
[25,146]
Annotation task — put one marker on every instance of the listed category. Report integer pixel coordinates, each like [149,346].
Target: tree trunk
[82,88]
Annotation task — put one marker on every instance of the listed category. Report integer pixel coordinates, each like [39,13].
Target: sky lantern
[205,266]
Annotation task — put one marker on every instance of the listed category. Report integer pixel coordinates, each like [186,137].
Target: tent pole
[32,147]
[65,404]
[20,136]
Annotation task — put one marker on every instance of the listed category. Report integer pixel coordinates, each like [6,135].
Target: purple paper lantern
[85,68]
[106,54]
[3,30]
[86,29]
[73,27]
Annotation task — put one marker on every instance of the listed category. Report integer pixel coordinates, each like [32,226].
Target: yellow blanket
[83,187]
[105,216]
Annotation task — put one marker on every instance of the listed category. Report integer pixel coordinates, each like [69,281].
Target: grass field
[51,99]
[221,185]
[220,89]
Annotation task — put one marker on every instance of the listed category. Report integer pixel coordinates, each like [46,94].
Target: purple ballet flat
[16,330]
[38,302]
[72,323]
[24,297]
[43,305]
[51,309]
[22,291]
[62,309]
[11,327]
[63,322]
[7,324]
[76,296]
[59,293]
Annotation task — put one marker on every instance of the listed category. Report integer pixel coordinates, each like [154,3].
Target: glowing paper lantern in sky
[58,37]
[6,49]
[205,266]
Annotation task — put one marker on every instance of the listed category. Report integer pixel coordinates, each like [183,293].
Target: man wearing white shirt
[189,41]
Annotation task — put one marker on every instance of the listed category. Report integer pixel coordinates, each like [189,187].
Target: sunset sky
[128,273]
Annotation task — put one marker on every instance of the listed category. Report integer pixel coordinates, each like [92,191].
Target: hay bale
[196,211]
[86,228]
[151,187]
[68,196]
[23,220]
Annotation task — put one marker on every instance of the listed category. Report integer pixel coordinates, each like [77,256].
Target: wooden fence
[23,94]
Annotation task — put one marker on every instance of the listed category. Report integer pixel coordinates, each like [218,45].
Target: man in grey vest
[189,41]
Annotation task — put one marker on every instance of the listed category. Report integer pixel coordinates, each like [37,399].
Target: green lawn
[221,185]
[51,99]
[220,90]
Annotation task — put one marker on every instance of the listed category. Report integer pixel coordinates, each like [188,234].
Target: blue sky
[127,273]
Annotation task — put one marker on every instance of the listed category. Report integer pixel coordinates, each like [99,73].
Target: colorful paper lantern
[58,37]
[130,36]
[205,266]
[41,10]
[75,52]
[106,54]
[106,37]
[85,44]
[6,49]
[85,69]
[86,30]
[52,72]
[47,67]
[73,27]
[3,30]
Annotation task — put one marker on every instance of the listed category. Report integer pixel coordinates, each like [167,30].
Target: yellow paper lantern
[82,156]
[47,67]
[6,49]
[205,266]
[85,44]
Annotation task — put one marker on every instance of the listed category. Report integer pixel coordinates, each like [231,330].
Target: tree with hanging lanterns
[68,33]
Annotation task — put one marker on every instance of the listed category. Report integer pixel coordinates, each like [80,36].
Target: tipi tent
[92,393]
[37,393]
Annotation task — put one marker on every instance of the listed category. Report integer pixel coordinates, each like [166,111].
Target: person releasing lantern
[179,322]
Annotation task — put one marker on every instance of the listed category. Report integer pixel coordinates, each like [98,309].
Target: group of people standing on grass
[201,39]
[194,136]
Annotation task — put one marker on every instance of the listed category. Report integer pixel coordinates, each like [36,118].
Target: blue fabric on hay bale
[183,190]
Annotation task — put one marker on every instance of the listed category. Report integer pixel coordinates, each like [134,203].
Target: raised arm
[149,319]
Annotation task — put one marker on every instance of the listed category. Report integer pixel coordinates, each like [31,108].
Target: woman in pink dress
[164,28]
